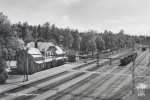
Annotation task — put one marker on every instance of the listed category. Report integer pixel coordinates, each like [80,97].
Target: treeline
[84,42]
[73,39]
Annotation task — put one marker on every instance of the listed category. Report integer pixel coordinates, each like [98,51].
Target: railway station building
[43,56]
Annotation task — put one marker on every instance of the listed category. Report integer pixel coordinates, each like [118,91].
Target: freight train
[128,59]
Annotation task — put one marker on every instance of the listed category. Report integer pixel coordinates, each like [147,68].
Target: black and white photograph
[74,49]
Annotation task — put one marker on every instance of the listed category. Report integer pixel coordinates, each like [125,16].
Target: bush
[3,76]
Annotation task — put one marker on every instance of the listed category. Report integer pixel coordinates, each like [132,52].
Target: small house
[73,56]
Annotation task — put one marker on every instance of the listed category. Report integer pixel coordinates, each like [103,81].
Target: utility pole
[1,57]
[133,77]
[149,54]
[27,64]
[97,58]
[26,69]
[149,57]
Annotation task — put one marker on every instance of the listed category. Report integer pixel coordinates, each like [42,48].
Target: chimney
[36,46]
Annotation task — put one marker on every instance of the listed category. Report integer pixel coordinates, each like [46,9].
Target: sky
[133,16]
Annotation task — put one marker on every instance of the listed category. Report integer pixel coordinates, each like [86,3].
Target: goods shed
[73,56]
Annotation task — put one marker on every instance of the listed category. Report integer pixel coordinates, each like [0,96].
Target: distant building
[72,56]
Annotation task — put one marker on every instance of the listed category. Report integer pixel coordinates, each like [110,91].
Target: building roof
[45,45]
[59,50]
[42,45]
[35,52]
[48,60]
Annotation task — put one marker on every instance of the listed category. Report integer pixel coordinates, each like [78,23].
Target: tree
[5,29]
[76,40]
[92,46]
[133,42]
[116,43]
[40,39]
[107,39]
[83,44]
[112,41]
[68,38]
[100,45]
[121,39]
[54,33]
[28,37]
[91,41]
[46,31]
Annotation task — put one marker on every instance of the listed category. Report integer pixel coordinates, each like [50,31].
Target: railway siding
[86,90]
[40,86]
[61,87]
[25,91]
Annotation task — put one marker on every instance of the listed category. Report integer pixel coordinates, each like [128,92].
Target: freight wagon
[143,48]
[128,59]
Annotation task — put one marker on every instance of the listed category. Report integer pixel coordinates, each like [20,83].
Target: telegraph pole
[27,64]
[1,56]
[133,73]
[26,69]
[133,77]
[149,57]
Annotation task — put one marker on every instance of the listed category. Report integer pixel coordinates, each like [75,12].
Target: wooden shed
[72,56]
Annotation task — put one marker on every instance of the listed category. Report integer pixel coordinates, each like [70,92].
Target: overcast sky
[133,16]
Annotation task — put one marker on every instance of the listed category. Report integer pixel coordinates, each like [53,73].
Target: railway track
[105,62]
[30,96]
[21,88]
[118,81]
[33,84]
[45,86]
[86,92]
[80,84]
[127,88]
[81,67]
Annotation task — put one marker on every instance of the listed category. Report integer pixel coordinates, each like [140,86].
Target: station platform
[16,80]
